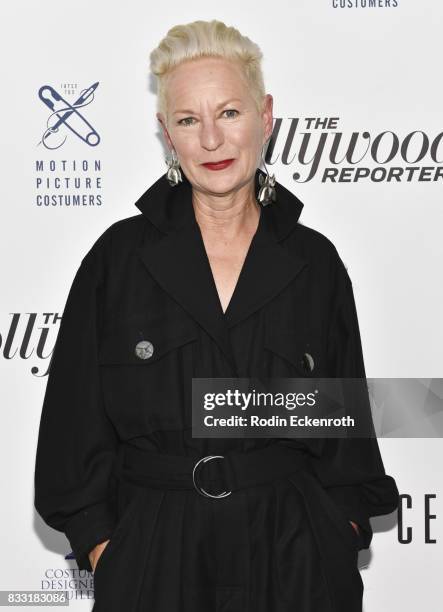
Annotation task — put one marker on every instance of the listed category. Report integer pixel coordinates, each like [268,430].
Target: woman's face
[212,117]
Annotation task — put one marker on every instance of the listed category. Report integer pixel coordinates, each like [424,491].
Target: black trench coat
[283,546]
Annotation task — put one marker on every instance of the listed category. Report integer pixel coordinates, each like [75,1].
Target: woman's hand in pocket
[96,552]
[355,527]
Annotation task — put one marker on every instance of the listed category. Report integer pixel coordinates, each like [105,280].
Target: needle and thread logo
[65,115]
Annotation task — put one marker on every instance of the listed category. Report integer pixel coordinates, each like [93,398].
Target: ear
[268,103]
[162,120]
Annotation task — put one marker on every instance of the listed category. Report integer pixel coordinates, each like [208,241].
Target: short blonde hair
[206,39]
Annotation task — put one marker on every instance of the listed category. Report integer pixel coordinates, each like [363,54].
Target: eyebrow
[217,107]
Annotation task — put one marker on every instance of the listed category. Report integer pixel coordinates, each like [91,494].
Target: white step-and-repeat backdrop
[357,106]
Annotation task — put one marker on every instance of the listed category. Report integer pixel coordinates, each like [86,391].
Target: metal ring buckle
[200,488]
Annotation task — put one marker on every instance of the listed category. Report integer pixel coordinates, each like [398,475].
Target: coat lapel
[179,264]
[268,268]
[175,256]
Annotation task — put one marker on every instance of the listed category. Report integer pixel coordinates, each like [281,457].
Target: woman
[216,278]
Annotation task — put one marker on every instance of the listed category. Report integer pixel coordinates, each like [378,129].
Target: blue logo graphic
[66,115]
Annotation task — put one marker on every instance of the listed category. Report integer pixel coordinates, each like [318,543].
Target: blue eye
[231,110]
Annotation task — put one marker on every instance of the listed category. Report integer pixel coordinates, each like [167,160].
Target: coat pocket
[347,532]
[347,529]
[120,529]
[299,565]
[120,345]
[143,363]
[335,544]
[290,353]
[120,575]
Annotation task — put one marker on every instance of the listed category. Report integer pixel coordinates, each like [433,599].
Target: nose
[211,135]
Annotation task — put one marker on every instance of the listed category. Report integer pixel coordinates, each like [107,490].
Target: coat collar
[178,261]
[170,208]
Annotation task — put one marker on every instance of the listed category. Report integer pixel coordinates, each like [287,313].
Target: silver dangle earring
[267,192]
[173,174]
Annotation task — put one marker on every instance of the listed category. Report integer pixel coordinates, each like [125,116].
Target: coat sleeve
[351,469]
[77,443]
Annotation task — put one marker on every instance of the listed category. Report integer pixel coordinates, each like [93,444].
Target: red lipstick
[219,165]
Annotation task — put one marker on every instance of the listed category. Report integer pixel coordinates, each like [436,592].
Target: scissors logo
[66,114]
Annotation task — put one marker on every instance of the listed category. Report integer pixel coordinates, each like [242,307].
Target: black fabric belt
[212,475]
